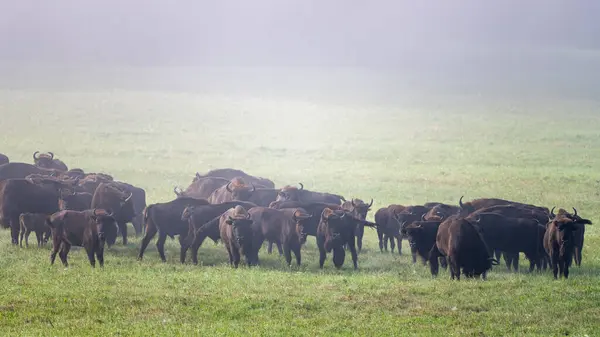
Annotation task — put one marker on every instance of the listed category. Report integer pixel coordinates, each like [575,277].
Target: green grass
[545,153]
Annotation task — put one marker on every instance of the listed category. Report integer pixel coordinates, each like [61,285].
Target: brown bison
[358,209]
[74,201]
[86,229]
[462,243]
[196,217]
[292,193]
[283,227]
[579,234]
[18,196]
[165,219]
[235,227]
[236,189]
[388,229]
[33,222]
[138,198]
[202,188]
[22,170]
[512,236]
[90,182]
[336,229]
[3,159]
[47,161]
[559,243]
[421,237]
[110,196]
[233,173]
[440,212]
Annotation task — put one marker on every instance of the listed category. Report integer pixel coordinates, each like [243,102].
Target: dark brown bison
[559,243]
[74,201]
[235,227]
[19,196]
[440,212]
[513,236]
[388,229]
[3,159]
[33,222]
[474,205]
[90,182]
[315,209]
[292,193]
[196,217]
[111,197]
[283,227]
[47,161]
[336,229]
[22,170]
[86,229]
[236,189]
[462,243]
[202,188]
[359,209]
[165,219]
[233,173]
[579,234]
[421,238]
[138,198]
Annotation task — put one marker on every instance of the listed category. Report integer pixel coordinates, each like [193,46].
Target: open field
[546,152]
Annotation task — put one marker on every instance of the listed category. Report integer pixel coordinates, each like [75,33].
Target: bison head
[241,223]
[413,233]
[239,190]
[106,224]
[299,217]
[187,213]
[290,193]
[334,223]
[360,208]
[465,208]
[44,160]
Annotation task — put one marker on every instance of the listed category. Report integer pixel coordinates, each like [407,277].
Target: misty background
[376,51]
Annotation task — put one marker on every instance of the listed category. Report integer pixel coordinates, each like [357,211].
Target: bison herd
[75,208]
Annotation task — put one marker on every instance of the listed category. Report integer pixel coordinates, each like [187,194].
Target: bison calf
[34,222]
[86,229]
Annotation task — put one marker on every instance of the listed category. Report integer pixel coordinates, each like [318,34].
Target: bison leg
[380,237]
[195,246]
[184,248]
[279,248]
[100,254]
[578,256]
[443,262]
[64,251]
[413,253]
[399,238]
[137,224]
[160,246]
[360,232]
[15,228]
[566,271]
[55,248]
[39,237]
[150,233]
[235,254]
[287,253]
[515,260]
[270,248]
[339,255]
[90,254]
[296,250]
[354,254]
[322,253]
[123,229]
[434,253]
[554,264]
[392,243]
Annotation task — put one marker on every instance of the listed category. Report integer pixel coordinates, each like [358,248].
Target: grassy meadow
[545,152]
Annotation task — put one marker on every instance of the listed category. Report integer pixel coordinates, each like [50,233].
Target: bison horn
[552,212]
[343,215]
[95,210]
[423,217]
[494,261]
[352,202]
[34,155]
[177,190]
[371,203]
[198,175]
[129,197]
[109,212]
[249,216]
[51,155]
[575,210]
[253,188]
[460,203]
[301,186]
[227,187]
